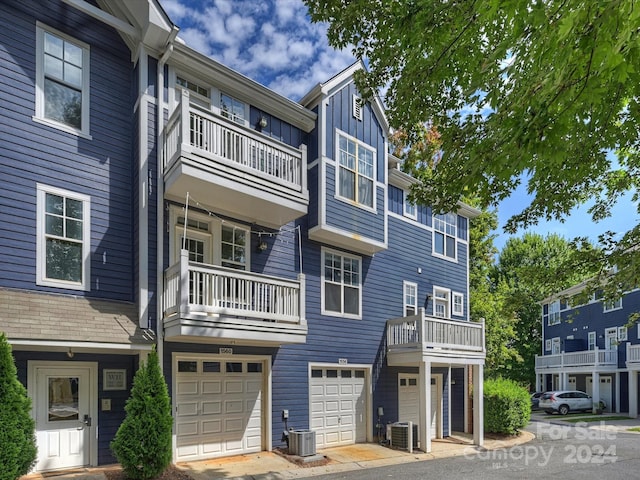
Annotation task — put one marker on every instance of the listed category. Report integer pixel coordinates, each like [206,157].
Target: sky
[274,43]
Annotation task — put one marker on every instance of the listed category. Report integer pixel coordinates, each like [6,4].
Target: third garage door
[338,405]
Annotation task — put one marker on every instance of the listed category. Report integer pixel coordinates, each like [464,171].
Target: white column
[424,381]
[538,382]
[617,392]
[596,389]
[633,393]
[478,405]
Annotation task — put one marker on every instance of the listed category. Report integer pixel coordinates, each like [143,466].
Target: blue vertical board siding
[276,128]
[33,153]
[395,202]
[314,195]
[312,141]
[152,77]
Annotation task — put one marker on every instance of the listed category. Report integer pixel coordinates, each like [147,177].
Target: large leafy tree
[534,91]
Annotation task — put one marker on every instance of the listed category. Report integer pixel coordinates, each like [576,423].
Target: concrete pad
[248,465]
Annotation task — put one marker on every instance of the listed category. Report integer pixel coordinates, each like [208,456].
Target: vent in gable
[357,107]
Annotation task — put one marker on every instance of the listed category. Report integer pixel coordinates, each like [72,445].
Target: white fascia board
[77,347]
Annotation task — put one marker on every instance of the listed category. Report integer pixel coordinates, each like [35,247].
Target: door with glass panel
[64,417]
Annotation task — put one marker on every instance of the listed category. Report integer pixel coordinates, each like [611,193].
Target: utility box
[302,442]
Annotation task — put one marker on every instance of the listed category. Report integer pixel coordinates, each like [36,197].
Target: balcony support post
[303,168]
[424,382]
[633,393]
[478,405]
[302,306]
[185,134]
[617,376]
[183,289]
[595,394]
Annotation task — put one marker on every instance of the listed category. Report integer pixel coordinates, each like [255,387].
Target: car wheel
[563,409]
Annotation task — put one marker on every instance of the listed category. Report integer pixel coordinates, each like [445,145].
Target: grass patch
[634,429]
[596,418]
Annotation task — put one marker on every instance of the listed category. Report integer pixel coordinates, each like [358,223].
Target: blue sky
[274,43]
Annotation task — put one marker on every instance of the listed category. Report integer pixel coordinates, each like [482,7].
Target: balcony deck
[633,356]
[411,339]
[233,169]
[586,358]
[212,304]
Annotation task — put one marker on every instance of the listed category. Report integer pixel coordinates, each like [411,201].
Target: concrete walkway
[272,466]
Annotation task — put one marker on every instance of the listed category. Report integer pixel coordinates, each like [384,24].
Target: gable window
[410,209]
[63,239]
[62,81]
[355,171]
[458,304]
[232,108]
[341,284]
[441,302]
[612,305]
[410,299]
[444,235]
[592,341]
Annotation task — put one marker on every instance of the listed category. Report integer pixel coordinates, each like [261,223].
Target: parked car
[535,399]
[565,401]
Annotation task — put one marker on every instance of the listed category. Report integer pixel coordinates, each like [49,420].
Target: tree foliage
[17,428]
[538,91]
[142,444]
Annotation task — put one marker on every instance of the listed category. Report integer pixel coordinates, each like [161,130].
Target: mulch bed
[171,473]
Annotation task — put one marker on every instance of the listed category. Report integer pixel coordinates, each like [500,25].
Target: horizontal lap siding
[32,152]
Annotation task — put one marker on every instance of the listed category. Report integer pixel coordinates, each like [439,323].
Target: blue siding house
[155,197]
[591,348]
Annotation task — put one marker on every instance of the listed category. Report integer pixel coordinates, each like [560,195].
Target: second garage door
[338,405]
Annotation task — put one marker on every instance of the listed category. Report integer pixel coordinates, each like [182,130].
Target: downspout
[160,199]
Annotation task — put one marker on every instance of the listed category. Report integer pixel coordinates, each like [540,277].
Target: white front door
[64,404]
[611,339]
[409,402]
[605,392]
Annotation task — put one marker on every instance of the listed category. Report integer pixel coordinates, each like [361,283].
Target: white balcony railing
[633,353]
[198,289]
[193,129]
[596,357]
[431,333]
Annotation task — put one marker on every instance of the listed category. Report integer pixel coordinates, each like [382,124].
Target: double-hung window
[63,239]
[609,306]
[410,209]
[551,313]
[410,299]
[341,284]
[591,341]
[355,171]
[62,81]
[444,235]
[234,247]
[458,304]
[441,302]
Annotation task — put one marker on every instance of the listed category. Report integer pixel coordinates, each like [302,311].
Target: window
[356,172]
[198,94]
[458,304]
[444,235]
[441,303]
[592,341]
[192,87]
[232,109]
[612,305]
[555,346]
[410,299]
[62,81]
[622,334]
[63,242]
[551,313]
[547,345]
[234,247]
[341,284]
[410,209]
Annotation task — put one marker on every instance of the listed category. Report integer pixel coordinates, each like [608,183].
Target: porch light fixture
[263,122]
[70,353]
[262,246]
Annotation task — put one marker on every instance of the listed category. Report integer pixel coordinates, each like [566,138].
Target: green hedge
[507,406]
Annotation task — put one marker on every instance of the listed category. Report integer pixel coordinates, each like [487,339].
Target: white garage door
[218,408]
[338,405]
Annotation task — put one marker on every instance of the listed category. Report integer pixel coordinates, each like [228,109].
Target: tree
[142,444]
[541,92]
[17,428]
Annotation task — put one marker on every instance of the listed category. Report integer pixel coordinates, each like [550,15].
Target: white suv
[565,401]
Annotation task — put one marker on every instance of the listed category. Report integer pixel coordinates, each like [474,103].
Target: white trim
[612,306]
[374,182]
[104,17]
[143,197]
[341,314]
[52,345]
[39,115]
[623,334]
[448,306]
[454,311]
[406,203]
[445,234]
[85,284]
[406,284]
[591,340]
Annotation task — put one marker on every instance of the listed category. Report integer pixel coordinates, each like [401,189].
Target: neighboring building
[153,196]
[590,348]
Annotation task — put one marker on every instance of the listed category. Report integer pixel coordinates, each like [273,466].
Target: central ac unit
[302,442]
[399,435]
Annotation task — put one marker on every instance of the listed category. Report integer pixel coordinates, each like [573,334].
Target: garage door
[218,408]
[338,406]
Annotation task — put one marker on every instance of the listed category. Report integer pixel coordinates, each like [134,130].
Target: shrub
[17,428]
[142,444]
[507,406]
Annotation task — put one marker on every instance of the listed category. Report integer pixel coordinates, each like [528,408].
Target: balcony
[586,358]
[411,339]
[233,169]
[212,304]
[633,356]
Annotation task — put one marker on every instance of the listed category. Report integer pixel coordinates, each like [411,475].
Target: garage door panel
[188,428]
[187,387]
[233,406]
[187,409]
[332,389]
[346,389]
[211,387]
[211,408]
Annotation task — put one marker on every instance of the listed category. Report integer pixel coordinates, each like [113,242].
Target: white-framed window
[444,235]
[612,305]
[409,209]
[62,81]
[592,340]
[63,239]
[622,334]
[234,247]
[547,345]
[555,345]
[356,172]
[410,298]
[458,304]
[441,302]
[232,108]
[638,330]
[551,312]
[199,93]
[341,284]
